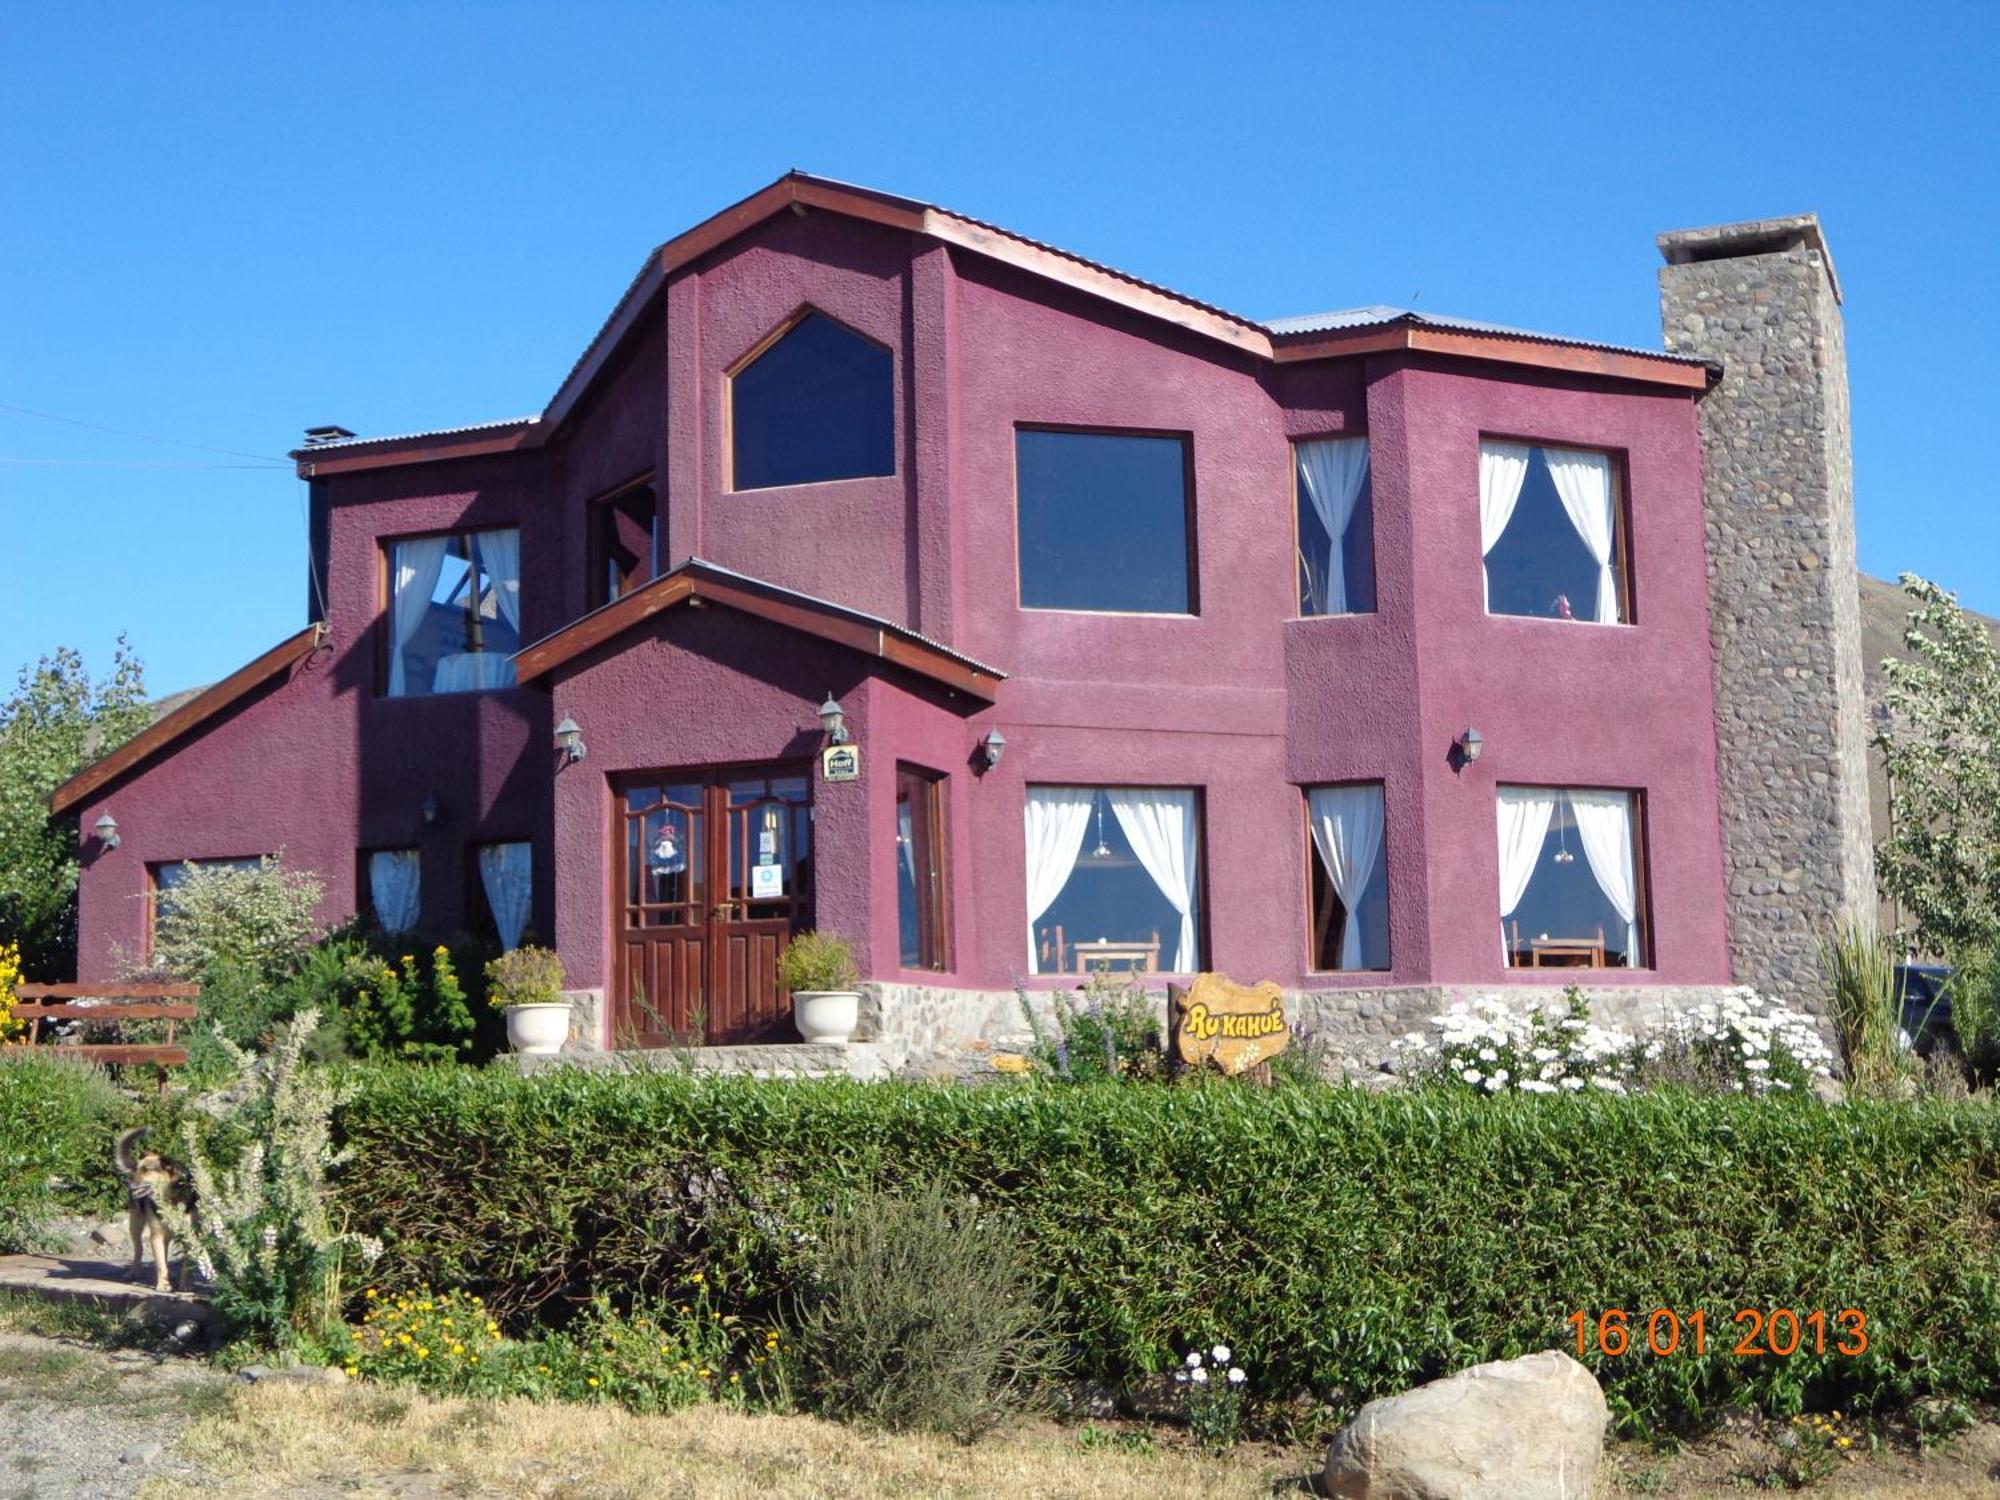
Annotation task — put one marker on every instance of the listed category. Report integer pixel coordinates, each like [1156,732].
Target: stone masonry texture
[1761,299]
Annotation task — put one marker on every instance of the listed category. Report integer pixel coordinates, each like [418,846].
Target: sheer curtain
[419,561]
[394,888]
[1159,823]
[507,872]
[1525,814]
[1604,827]
[1583,481]
[1332,472]
[1347,831]
[905,841]
[500,552]
[1058,818]
[1503,469]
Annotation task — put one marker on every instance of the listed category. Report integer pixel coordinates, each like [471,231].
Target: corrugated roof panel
[1379,315]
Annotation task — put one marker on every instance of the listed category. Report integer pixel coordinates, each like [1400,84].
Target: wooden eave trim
[616,618]
[185,719]
[425,451]
[1605,364]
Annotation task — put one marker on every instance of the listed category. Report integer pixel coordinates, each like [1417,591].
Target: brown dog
[151,1181]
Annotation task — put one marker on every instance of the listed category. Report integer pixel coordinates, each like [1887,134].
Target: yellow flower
[458,1348]
[736,1380]
[703,1374]
[698,1278]
[592,1381]
[352,1371]
[541,1369]
[371,1292]
[684,1307]
[475,1359]
[422,1352]
[663,1348]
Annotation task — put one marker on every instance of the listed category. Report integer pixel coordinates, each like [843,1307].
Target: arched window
[816,403]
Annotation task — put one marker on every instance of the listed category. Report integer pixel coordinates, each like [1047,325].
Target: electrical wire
[145,437]
[129,463]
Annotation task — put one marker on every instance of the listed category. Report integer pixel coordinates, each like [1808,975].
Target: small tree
[1941,859]
[57,720]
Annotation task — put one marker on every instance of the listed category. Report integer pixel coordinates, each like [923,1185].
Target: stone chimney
[1761,299]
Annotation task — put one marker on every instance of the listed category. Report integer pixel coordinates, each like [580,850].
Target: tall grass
[1865,1005]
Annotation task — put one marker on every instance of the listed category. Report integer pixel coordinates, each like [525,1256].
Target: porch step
[105,1284]
[860,1060]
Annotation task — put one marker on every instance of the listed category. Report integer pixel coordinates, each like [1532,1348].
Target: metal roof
[1379,315]
[405,437]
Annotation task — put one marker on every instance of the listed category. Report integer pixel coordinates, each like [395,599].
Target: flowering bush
[1742,1043]
[1489,1045]
[525,976]
[1113,1033]
[1212,1389]
[399,1010]
[10,976]
[442,1341]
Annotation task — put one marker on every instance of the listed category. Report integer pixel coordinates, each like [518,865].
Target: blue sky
[224,224]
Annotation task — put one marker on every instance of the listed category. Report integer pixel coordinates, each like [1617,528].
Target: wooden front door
[713,876]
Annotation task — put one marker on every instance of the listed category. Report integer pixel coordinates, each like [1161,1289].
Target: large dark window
[624,544]
[1572,878]
[920,866]
[1104,522]
[1552,530]
[817,404]
[1114,879]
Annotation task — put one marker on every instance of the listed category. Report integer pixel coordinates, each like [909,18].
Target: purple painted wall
[1244,702]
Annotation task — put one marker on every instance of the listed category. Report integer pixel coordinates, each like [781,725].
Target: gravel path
[86,1424]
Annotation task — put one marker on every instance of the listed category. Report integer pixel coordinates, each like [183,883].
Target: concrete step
[106,1284]
[860,1060]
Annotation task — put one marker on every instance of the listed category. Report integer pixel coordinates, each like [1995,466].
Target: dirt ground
[82,1420]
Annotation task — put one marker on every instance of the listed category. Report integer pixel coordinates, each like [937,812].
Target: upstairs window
[1336,527]
[815,403]
[1104,522]
[454,612]
[1114,879]
[1551,533]
[1571,865]
[624,544]
[1350,878]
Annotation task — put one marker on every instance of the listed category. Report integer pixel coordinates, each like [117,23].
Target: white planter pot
[538,1030]
[826,1015]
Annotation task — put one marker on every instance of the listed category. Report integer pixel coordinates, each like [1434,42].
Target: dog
[152,1181]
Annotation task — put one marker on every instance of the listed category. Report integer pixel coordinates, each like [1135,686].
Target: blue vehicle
[1926,992]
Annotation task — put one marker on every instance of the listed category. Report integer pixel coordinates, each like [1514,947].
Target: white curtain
[1347,831]
[1503,469]
[906,842]
[1058,818]
[394,883]
[1159,823]
[507,872]
[1583,481]
[1525,814]
[1604,826]
[418,564]
[1332,472]
[500,552]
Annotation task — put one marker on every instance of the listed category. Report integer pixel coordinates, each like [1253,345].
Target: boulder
[1529,1429]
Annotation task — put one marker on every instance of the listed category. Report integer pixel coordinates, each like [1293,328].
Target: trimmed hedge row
[1346,1244]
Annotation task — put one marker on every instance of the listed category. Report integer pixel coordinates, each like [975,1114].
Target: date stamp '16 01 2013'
[1781,1332]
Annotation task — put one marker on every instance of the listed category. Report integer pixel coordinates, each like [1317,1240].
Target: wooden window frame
[1298,542]
[1306,789]
[1642,880]
[1183,436]
[1621,515]
[764,346]
[385,567]
[930,856]
[597,510]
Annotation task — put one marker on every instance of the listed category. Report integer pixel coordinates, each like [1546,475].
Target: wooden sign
[840,763]
[1234,1026]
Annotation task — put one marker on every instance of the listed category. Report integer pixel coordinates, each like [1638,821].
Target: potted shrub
[818,968]
[528,984]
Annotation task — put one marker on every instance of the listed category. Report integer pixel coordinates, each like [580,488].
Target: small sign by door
[767,882]
[840,763]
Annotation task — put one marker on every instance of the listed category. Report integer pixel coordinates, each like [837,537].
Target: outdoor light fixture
[833,719]
[569,740]
[1469,744]
[994,746]
[106,829]
[433,814]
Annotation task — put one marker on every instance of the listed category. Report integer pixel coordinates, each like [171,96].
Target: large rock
[1527,1429]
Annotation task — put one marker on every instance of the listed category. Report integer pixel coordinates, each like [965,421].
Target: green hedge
[56,1123]
[1347,1244]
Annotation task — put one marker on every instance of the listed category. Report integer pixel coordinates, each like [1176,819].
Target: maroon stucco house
[1367,652]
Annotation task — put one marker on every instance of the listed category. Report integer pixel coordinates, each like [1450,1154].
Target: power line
[145,437]
[131,463]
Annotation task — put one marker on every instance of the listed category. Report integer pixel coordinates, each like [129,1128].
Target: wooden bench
[110,1005]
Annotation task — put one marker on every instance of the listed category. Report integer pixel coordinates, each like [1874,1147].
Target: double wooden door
[713,874]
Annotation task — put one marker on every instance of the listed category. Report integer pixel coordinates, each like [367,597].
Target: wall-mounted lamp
[1469,744]
[569,740]
[833,719]
[993,747]
[433,813]
[106,829]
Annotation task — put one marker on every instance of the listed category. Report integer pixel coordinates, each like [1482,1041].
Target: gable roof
[1278,341]
[184,720]
[696,581]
